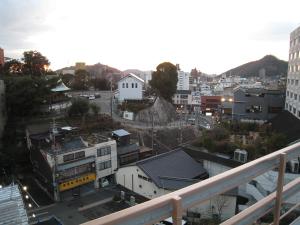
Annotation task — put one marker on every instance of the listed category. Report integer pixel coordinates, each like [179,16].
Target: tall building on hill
[1,57]
[183,79]
[292,103]
[80,66]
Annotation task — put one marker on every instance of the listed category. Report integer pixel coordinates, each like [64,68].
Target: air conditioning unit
[240,155]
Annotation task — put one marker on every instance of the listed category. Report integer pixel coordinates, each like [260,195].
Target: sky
[213,36]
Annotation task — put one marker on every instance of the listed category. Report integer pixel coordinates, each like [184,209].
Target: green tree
[101,84]
[79,107]
[164,80]
[95,108]
[81,80]
[35,64]
[25,95]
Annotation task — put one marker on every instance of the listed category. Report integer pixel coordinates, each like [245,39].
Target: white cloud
[213,36]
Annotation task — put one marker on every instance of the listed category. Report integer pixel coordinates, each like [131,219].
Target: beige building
[80,66]
[292,103]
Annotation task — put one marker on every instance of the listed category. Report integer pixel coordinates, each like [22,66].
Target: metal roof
[120,133]
[12,210]
[173,168]
[134,76]
[60,87]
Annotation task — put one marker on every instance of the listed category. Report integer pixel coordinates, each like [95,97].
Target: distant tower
[1,57]
[292,102]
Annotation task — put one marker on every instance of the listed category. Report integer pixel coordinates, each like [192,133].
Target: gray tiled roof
[12,210]
[172,169]
[127,149]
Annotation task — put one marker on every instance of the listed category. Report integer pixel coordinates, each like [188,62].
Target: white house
[130,87]
[165,173]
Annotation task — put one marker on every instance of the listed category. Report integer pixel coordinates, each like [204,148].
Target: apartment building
[257,103]
[68,163]
[292,103]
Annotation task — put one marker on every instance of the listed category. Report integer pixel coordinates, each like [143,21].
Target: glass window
[296,82]
[68,157]
[136,85]
[103,151]
[105,165]
[132,85]
[126,85]
[123,85]
[79,155]
[295,96]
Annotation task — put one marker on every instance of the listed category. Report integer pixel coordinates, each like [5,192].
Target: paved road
[105,105]
[70,212]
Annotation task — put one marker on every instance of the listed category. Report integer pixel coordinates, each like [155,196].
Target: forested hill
[270,63]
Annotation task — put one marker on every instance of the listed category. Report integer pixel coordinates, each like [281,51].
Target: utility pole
[54,149]
[111,98]
[180,126]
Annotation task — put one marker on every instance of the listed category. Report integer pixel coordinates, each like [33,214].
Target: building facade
[130,87]
[292,103]
[183,82]
[68,164]
[257,103]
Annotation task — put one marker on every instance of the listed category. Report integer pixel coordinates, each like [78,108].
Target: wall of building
[92,151]
[293,79]
[183,80]
[129,92]
[128,177]
[243,102]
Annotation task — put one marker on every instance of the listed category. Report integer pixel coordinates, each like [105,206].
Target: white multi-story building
[183,80]
[130,87]
[292,103]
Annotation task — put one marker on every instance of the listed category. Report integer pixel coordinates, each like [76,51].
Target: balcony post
[177,210]
[280,183]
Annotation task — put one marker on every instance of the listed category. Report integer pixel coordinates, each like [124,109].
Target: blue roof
[120,133]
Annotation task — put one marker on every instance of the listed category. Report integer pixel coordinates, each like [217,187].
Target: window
[288,81]
[123,85]
[132,85]
[296,82]
[294,110]
[274,109]
[292,81]
[126,85]
[295,96]
[288,93]
[105,165]
[79,155]
[254,109]
[103,151]
[144,178]
[68,157]
[136,85]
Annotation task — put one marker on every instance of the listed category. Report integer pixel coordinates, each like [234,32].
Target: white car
[92,97]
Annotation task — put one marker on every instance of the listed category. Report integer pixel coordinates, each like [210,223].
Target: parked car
[92,97]
[97,95]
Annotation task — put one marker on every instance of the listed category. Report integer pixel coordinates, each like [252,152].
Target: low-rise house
[165,173]
[127,152]
[130,87]
[67,163]
[257,104]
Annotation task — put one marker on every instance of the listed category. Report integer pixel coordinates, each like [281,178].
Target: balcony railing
[173,204]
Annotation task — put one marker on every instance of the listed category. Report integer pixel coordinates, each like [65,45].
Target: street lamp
[25,188]
[29,205]
[26,196]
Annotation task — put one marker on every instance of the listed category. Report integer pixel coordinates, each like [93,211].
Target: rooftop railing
[173,204]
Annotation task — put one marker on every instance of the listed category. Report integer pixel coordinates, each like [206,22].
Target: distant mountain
[96,69]
[269,65]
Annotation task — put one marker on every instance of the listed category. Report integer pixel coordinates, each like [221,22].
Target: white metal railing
[174,203]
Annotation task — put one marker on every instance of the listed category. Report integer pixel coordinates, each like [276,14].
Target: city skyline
[213,36]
